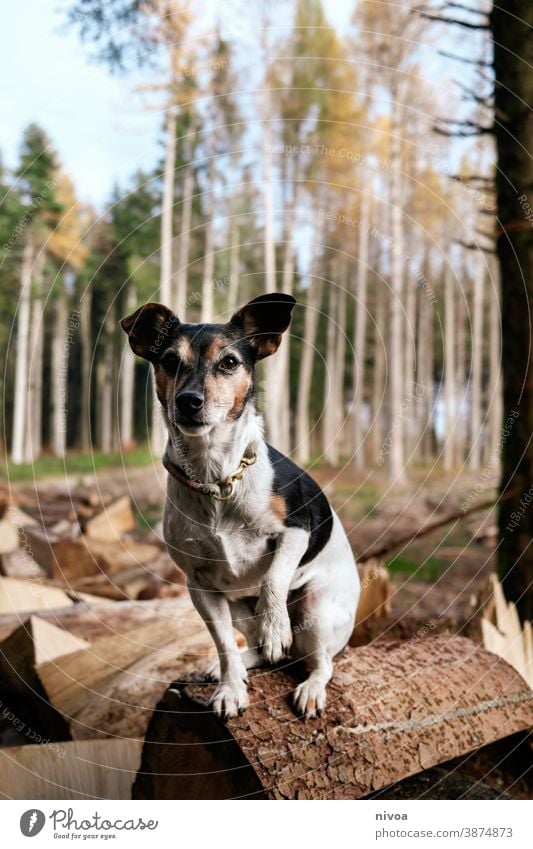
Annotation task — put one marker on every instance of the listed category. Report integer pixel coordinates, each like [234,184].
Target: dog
[262,549]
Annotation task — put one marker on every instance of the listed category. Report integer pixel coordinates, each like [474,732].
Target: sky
[96,122]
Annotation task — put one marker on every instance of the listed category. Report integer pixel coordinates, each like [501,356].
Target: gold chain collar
[221,490]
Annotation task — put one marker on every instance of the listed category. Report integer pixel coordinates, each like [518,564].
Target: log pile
[83,542]
[90,645]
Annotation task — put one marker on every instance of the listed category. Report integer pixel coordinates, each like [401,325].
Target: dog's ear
[148,330]
[264,320]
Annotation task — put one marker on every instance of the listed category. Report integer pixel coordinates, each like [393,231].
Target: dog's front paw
[274,634]
[309,698]
[230,698]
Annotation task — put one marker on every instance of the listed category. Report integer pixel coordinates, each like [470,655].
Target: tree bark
[312,314]
[105,386]
[209,257]
[495,400]
[450,393]
[86,355]
[22,347]
[378,375]
[476,371]
[60,357]
[359,339]
[396,456]
[330,404]
[34,417]
[511,24]
[393,710]
[127,380]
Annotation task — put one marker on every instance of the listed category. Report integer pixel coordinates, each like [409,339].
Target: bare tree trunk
[396,459]
[312,314]
[184,241]
[450,394]
[279,374]
[86,354]
[271,407]
[411,425]
[105,383]
[329,407]
[22,346]
[127,380]
[460,440]
[359,341]
[495,401]
[158,436]
[209,258]
[234,265]
[511,23]
[477,365]
[60,375]
[34,417]
[340,360]
[378,376]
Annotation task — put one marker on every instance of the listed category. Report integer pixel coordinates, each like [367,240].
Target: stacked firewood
[103,693]
[83,541]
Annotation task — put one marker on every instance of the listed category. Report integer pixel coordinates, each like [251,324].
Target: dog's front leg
[231,695]
[274,632]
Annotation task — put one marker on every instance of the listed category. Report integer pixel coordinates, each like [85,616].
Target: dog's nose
[189,402]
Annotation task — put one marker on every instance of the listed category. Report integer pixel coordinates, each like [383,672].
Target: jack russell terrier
[261,547]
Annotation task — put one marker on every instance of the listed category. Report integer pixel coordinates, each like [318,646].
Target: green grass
[429,571]
[75,463]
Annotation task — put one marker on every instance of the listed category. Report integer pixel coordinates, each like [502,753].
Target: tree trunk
[281,363]
[476,372]
[511,23]
[430,699]
[312,314]
[234,265]
[330,404]
[158,434]
[60,357]
[127,381]
[495,400]
[86,357]
[209,257]
[184,243]
[378,375]
[271,405]
[460,441]
[396,458]
[359,340]
[105,386]
[34,417]
[20,391]
[340,359]
[167,209]
[450,394]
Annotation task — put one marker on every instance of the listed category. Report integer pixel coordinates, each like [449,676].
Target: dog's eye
[229,363]
[171,363]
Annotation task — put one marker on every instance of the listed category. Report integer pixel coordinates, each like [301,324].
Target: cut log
[375,598]
[9,540]
[20,564]
[32,642]
[112,687]
[504,635]
[394,710]
[72,560]
[115,520]
[18,596]
[91,769]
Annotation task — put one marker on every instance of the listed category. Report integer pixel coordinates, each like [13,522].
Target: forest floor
[436,580]
[437,575]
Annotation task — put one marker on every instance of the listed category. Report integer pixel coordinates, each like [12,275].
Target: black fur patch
[307,506]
